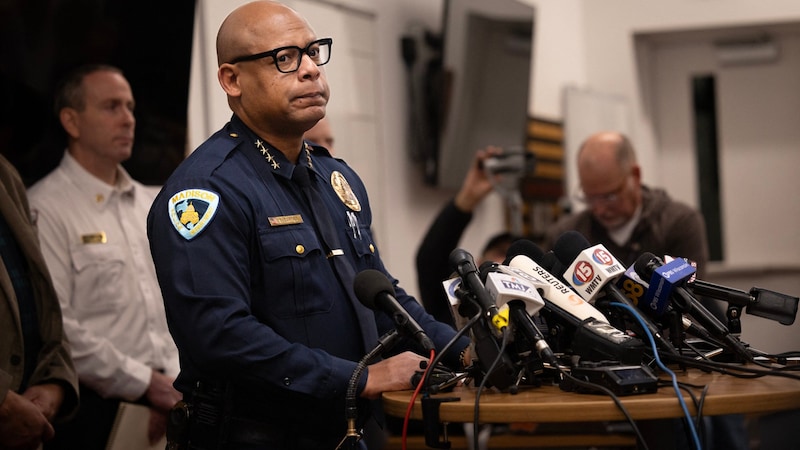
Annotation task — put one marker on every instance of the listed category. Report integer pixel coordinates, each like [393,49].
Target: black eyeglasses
[287,59]
[603,199]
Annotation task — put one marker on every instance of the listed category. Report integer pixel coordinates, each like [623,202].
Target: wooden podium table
[726,395]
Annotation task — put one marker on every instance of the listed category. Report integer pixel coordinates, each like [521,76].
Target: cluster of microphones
[578,308]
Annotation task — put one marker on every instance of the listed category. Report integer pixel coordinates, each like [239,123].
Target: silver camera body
[512,165]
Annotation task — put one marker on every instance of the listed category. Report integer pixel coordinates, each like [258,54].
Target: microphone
[522,256]
[633,287]
[591,336]
[484,340]
[665,278]
[551,264]
[519,316]
[648,265]
[593,270]
[639,290]
[504,287]
[758,302]
[376,292]
[517,300]
[464,264]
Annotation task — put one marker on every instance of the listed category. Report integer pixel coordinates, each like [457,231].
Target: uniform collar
[97,191]
[274,160]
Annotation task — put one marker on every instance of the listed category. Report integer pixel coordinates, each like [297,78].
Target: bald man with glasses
[624,215]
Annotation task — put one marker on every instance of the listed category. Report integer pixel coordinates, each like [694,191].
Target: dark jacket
[666,227]
[55,362]
[433,265]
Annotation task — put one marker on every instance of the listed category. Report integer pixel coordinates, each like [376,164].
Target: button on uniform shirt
[94,240]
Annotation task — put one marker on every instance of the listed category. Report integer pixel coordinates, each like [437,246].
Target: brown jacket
[55,362]
[666,227]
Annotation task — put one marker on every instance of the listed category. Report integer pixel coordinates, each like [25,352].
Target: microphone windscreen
[523,247]
[549,262]
[644,265]
[569,245]
[460,256]
[485,268]
[368,284]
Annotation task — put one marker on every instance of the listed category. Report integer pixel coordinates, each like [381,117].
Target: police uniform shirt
[94,240]
[249,292]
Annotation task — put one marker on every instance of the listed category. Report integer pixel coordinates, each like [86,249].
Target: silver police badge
[191,210]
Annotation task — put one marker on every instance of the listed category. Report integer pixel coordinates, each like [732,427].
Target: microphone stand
[352,436]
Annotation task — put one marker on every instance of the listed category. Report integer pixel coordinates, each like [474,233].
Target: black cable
[610,393]
[740,371]
[695,350]
[701,403]
[351,406]
[435,362]
[698,404]
[476,413]
[385,341]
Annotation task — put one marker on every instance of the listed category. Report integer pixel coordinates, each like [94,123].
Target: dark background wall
[40,40]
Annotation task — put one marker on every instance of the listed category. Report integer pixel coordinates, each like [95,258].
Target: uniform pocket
[98,280]
[296,272]
[361,239]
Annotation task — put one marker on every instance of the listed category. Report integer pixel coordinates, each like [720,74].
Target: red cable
[414,398]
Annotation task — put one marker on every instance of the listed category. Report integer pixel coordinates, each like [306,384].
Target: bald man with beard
[257,288]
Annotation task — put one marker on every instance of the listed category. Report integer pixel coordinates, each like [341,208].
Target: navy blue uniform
[252,301]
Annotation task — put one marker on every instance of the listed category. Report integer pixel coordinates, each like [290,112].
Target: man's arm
[476,185]
[433,266]
[444,234]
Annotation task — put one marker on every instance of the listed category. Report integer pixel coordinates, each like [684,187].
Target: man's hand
[476,185]
[393,374]
[162,397]
[22,424]
[160,393]
[157,427]
[47,397]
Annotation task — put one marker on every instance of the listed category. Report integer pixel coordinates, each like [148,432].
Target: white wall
[558,55]
[758,140]
[590,45]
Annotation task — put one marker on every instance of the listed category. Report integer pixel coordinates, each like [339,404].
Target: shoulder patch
[191,210]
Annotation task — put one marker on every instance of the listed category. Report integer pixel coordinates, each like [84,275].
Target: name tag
[94,238]
[278,221]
